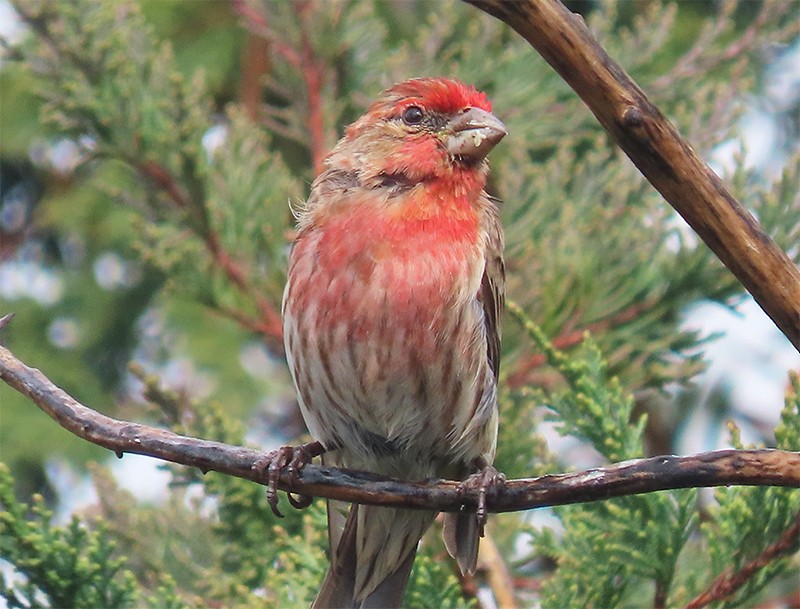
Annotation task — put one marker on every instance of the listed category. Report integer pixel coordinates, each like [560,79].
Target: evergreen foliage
[57,566]
[608,547]
[747,520]
[184,182]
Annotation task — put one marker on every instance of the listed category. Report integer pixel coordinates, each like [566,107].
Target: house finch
[391,314]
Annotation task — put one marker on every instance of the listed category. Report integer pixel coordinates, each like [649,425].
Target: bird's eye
[412,115]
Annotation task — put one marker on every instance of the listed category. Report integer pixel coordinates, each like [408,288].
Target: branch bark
[663,157]
[717,468]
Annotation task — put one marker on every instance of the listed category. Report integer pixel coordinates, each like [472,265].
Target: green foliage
[521,455]
[166,597]
[69,566]
[610,549]
[612,552]
[74,566]
[114,84]
[245,518]
[593,408]
[203,227]
[248,189]
[746,520]
[434,584]
[299,562]
[242,560]
[610,546]
[615,550]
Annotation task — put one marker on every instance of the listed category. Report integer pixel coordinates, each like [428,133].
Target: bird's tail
[461,534]
[372,562]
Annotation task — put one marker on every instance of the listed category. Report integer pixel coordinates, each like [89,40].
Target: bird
[391,319]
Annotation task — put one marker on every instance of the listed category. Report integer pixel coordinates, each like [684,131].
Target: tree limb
[717,468]
[663,157]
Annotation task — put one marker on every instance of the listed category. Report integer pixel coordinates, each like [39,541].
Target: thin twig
[521,374]
[693,63]
[269,318]
[717,468]
[278,128]
[790,600]
[312,71]
[159,177]
[728,583]
[254,66]
[252,20]
[303,58]
[685,66]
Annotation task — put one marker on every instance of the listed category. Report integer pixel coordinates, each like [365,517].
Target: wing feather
[491,294]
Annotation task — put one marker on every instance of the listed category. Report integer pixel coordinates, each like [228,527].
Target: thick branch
[656,148]
[718,468]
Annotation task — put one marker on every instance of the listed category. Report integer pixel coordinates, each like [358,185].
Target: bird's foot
[486,481]
[292,459]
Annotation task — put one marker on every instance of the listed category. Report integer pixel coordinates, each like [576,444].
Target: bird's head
[418,130]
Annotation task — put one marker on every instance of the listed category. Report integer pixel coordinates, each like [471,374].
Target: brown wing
[461,531]
[491,294]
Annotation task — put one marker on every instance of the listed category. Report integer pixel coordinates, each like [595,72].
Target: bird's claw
[486,481]
[292,459]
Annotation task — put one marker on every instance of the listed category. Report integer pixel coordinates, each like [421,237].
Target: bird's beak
[473,133]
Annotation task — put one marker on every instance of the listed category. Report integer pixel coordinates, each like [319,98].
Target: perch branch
[717,468]
[663,157]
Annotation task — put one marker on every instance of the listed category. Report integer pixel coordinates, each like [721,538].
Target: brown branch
[161,179]
[269,319]
[312,71]
[256,23]
[660,595]
[498,574]
[254,66]
[250,323]
[728,583]
[717,468]
[790,600]
[304,59]
[665,159]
